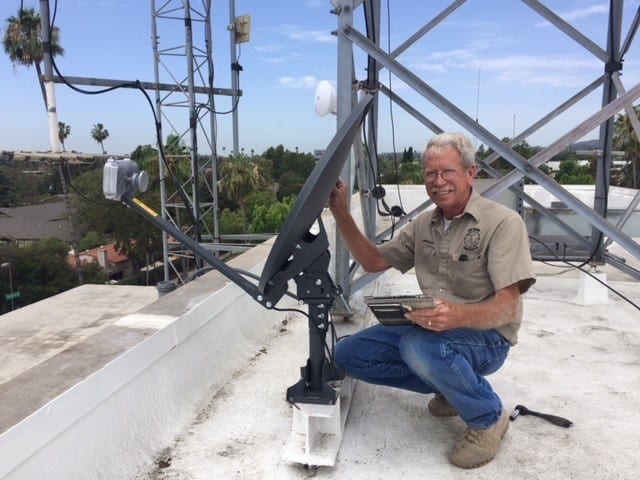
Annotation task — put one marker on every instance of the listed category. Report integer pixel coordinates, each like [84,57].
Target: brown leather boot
[440,407]
[478,447]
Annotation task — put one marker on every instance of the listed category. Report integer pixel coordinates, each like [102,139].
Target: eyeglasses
[448,174]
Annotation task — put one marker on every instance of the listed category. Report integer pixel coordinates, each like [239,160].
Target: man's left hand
[443,317]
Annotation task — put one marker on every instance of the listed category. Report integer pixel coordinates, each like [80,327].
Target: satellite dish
[326,98]
[310,202]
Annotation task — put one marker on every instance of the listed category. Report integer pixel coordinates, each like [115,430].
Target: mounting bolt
[318,282]
[269,304]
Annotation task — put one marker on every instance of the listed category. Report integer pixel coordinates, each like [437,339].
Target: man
[472,255]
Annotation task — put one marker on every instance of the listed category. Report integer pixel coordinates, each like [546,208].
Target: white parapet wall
[114,421]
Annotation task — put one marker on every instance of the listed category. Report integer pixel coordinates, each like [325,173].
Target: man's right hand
[338,203]
[364,251]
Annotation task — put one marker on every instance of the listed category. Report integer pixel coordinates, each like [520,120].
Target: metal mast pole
[193,125]
[367,169]
[345,103]
[235,74]
[49,85]
[56,146]
[161,166]
[212,127]
[609,94]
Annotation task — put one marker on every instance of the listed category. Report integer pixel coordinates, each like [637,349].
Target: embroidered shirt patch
[471,239]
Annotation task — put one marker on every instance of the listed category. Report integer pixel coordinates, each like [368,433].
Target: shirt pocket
[429,258]
[471,279]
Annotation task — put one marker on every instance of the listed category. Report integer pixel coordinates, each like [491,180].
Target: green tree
[134,237]
[270,218]
[625,139]
[178,158]
[239,176]
[175,145]
[92,272]
[411,173]
[289,169]
[284,160]
[275,155]
[64,131]
[92,240]
[570,173]
[482,152]
[100,134]
[388,169]
[9,196]
[232,222]
[22,42]
[290,184]
[546,169]
[146,157]
[408,155]
[39,270]
[254,200]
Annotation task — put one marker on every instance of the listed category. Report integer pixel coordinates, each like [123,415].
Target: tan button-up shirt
[484,249]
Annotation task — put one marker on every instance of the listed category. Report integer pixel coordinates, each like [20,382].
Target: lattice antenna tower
[615,98]
[195,167]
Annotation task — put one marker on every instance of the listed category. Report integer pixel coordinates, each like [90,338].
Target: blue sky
[496,59]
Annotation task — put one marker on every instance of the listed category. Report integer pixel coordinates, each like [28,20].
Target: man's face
[448,182]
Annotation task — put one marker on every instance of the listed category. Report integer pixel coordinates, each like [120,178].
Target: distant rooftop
[35,222]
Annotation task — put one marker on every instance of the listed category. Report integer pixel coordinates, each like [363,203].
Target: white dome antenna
[326,98]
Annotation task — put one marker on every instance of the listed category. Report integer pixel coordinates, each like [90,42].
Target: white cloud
[295,32]
[276,54]
[306,81]
[274,60]
[585,12]
[579,14]
[457,54]
[542,70]
[548,70]
[532,62]
[438,61]
[431,67]
[267,48]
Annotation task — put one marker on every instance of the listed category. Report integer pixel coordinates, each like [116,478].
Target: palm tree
[177,156]
[175,145]
[100,134]
[239,176]
[625,138]
[64,131]
[22,42]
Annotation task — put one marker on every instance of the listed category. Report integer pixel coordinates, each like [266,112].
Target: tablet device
[390,310]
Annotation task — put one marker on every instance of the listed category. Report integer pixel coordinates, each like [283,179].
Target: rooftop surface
[47,347]
[575,359]
[581,362]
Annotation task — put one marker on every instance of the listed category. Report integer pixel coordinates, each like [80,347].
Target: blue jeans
[453,363]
